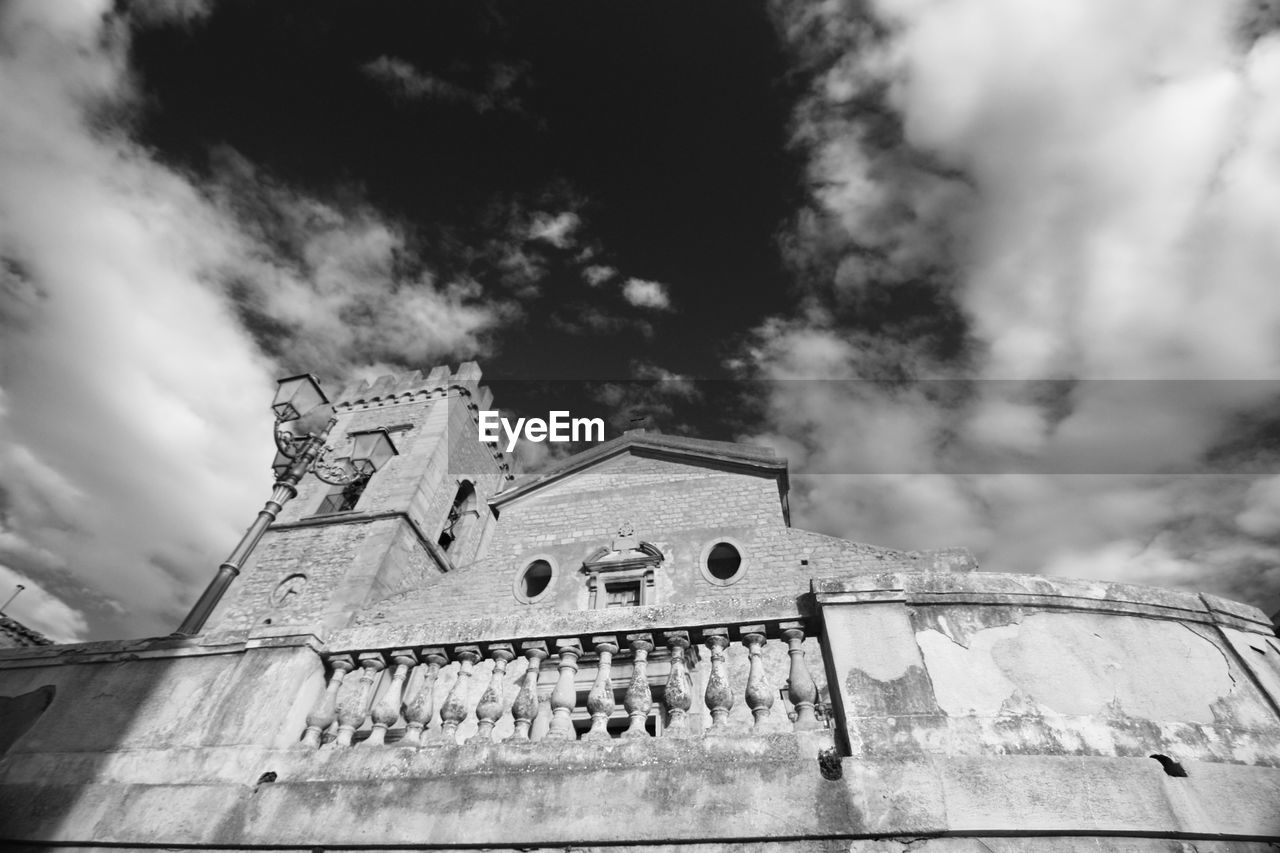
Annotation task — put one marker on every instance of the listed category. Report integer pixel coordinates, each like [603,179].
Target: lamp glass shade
[280,464]
[296,396]
[371,449]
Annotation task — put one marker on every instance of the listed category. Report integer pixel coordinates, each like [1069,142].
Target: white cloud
[597,274]
[405,79]
[1090,189]
[346,288]
[185,12]
[1261,513]
[128,383]
[134,427]
[1120,168]
[41,610]
[646,294]
[555,229]
[665,383]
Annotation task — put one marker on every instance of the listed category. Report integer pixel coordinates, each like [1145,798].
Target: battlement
[411,387]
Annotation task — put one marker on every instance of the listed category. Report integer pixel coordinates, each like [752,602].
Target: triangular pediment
[720,455]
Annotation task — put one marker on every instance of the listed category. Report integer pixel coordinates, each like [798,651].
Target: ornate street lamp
[300,406]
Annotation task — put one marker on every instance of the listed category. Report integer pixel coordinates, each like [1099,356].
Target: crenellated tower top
[425,513]
[412,387]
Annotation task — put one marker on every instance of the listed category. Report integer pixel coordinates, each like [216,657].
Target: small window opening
[723,561]
[622,594]
[535,579]
[1171,767]
[343,498]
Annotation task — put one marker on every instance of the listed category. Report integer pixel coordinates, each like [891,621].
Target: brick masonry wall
[327,556]
[348,560]
[363,568]
[680,508]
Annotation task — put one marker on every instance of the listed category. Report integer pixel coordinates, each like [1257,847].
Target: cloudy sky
[991,273]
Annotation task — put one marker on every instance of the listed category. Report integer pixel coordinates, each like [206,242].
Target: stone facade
[340,563]
[373,684]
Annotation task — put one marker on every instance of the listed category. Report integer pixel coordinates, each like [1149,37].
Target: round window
[722,562]
[532,583]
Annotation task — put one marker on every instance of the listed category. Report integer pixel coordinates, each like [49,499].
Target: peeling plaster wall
[1098,667]
[1062,674]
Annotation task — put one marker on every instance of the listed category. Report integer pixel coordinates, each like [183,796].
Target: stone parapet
[410,387]
[979,663]
[550,624]
[993,588]
[883,706]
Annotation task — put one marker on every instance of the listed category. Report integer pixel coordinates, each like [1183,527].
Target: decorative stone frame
[642,570]
[598,583]
[528,564]
[743,564]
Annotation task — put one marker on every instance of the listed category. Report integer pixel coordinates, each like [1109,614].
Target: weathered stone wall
[380,563]
[1014,711]
[336,564]
[986,664]
[460,455]
[332,566]
[679,507]
[676,507]
[905,844]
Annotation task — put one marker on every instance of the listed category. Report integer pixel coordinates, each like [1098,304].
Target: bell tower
[424,514]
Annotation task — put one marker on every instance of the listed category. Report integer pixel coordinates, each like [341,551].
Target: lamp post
[300,405]
[11,598]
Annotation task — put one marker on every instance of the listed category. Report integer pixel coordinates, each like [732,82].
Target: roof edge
[743,457]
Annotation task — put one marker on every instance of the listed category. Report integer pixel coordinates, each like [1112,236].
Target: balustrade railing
[424,697]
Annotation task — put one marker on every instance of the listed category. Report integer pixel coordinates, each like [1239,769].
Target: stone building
[634,649]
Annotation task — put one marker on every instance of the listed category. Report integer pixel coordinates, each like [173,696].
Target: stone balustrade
[740,678]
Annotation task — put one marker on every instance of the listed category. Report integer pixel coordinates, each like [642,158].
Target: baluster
[719,697]
[417,711]
[525,708]
[490,707]
[387,711]
[353,704]
[542,722]
[326,707]
[800,690]
[639,697]
[454,709]
[678,697]
[759,696]
[600,699]
[565,696]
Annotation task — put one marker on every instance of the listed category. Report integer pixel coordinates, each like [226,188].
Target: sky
[999,274]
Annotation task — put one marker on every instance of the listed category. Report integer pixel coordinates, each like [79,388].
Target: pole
[11,598]
[285,490]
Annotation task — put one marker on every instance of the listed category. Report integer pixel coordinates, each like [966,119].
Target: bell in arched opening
[463,514]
